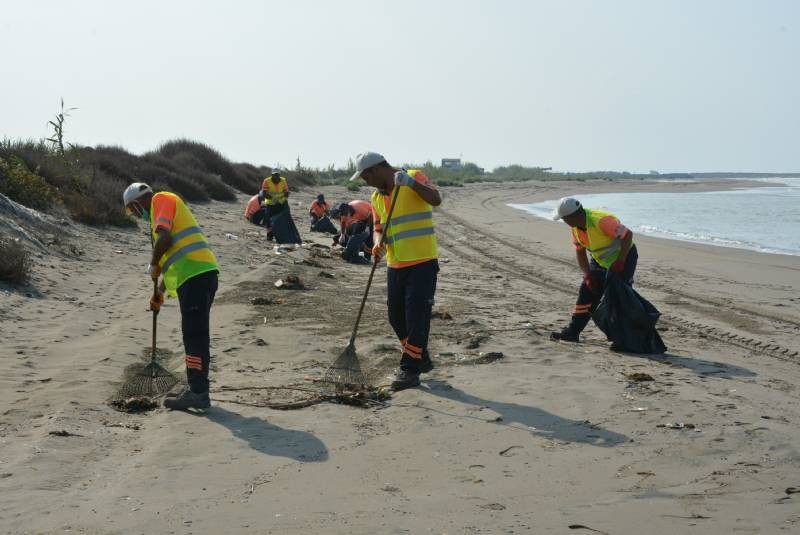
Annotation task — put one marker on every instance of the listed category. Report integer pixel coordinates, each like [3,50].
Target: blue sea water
[764,219]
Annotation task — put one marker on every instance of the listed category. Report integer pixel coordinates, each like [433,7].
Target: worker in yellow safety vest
[411,256]
[275,196]
[187,269]
[613,253]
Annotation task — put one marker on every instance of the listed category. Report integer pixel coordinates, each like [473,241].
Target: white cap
[276,169]
[566,206]
[364,161]
[134,191]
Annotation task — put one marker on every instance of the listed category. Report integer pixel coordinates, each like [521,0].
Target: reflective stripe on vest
[189,255]
[277,190]
[604,249]
[410,233]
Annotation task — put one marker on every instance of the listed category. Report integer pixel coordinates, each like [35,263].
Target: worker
[319,208]
[356,231]
[187,269]
[254,212]
[612,251]
[275,195]
[411,256]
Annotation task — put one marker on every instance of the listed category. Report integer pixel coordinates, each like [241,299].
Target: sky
[680,85]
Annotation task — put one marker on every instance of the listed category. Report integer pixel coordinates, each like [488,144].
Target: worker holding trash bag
[275,196]
[402,208]
[613,254]
[187,269]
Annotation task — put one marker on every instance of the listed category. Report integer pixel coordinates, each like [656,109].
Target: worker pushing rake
[402,210]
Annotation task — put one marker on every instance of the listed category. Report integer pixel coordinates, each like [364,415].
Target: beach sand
[550,438]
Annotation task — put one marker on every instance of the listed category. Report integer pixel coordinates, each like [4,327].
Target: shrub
[17,182]
[353,185]
[15,262]
[212,161]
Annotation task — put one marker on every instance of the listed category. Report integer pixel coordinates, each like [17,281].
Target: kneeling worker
[254,212]
[411,256]
[319,208]
[188,269]
[613,253]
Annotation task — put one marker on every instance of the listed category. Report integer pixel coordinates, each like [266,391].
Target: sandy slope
[549,436]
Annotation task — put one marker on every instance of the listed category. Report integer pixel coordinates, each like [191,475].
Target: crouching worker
[613,254]
[319,210]
[356,231]
[187,269]
[254,212]
[411,256]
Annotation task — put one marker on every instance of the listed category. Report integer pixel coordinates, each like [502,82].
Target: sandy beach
[511,432]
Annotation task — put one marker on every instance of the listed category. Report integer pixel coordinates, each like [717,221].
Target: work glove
[378,251]
[403,179]
[156,301]
[154,271]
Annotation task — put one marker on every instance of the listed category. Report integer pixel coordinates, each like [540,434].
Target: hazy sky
[577,85]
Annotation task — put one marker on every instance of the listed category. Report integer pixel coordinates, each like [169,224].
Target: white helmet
[566,206]
[134,191]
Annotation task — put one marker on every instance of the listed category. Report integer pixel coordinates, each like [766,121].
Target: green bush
[353,185]
[19,183]
[15,262]
[211,160]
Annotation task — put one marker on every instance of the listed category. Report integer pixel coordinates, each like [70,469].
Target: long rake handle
[155,325]
[374,266]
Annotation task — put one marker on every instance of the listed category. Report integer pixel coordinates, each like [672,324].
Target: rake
[345,373]
[152,379]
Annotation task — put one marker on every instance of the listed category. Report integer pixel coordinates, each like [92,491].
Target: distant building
[451,163]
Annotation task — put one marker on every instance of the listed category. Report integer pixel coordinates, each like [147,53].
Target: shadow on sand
[538,421]
[268,438]
[704,368]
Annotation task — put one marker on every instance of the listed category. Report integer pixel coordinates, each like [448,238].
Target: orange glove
[156,301]
[378,251]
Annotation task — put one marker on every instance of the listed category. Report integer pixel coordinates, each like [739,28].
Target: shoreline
[668,187]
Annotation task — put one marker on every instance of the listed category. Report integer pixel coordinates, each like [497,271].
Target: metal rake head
[345,373]
[148,380]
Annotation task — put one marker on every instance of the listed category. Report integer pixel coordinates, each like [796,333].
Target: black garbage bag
[628,319]
[324,224]
[284,229]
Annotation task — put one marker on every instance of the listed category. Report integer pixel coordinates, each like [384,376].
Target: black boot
[405,379]
[188,400]
[567,334]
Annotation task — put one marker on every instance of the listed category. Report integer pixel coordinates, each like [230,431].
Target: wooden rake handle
[374,265]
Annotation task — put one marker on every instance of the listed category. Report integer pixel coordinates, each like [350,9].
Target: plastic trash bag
[284,229]
[324,224]
[628,319]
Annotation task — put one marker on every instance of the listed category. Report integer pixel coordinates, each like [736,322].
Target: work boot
[188,400]
[405,379]
[565,335]
[426,365]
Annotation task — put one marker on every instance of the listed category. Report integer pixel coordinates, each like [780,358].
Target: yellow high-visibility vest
[410,235]
[189,254]
[278,190]
[603,248]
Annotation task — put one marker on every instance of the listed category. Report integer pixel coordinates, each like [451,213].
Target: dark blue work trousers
[410,301]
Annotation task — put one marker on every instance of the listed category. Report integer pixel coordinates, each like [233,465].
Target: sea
[764,219]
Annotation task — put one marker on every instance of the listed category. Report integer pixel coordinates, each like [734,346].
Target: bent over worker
[275,193]
[254,212]
[613,254]
[319,208]
[188,269]
[411,256]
